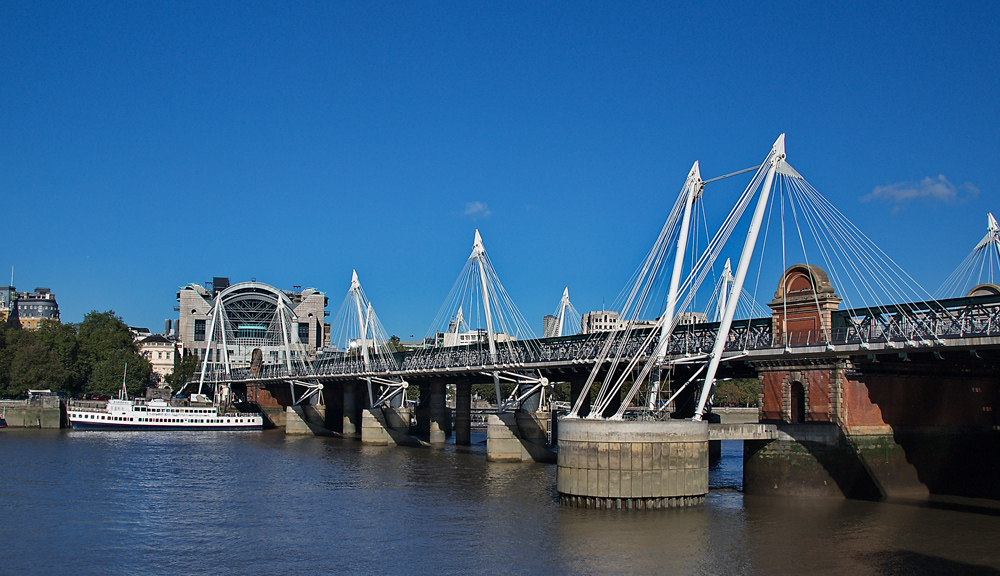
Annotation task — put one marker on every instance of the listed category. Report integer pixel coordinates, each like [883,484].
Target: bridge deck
[746,431]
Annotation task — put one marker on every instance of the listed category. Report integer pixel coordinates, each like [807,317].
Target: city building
[8,295]
[689,318]
[608,321]
[455,336]
[160,350]
[28,308]
[600,321]
[550,325]
[251,320]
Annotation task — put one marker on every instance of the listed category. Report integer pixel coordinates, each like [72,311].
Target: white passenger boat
[158,414]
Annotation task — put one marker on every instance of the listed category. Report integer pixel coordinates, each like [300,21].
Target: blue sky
[144,145]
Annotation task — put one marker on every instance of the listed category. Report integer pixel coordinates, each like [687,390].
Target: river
[263,503]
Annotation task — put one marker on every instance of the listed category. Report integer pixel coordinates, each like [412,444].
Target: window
[199,330]
[304,332]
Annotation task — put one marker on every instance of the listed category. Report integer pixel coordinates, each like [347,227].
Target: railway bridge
[869,386]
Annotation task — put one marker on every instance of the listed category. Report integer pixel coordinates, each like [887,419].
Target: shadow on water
[907,563]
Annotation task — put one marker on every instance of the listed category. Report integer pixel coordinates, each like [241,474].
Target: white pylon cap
[783,167]
[694,179]
[355,283]
[477,245]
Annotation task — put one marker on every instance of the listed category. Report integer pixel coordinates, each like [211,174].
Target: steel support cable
[695,277]
[825,222]
[522,327]
[634,305]
[851,249]
[511,319]
[637,277]
[883,262]
[663,242]
[760,261]
[846,245]
[961,279]
[452,301]
[805,254]
[647,368]
[654,273]
[878,261]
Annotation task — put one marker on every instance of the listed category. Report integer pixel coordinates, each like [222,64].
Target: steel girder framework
[936,321]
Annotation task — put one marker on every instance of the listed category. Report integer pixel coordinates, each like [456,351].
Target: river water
[263,503]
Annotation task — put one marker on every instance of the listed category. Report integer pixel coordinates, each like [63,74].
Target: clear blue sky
[147,145]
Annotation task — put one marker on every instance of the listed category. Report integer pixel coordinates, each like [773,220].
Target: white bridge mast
[776,157]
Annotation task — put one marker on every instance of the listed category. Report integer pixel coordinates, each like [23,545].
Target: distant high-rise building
[550,326]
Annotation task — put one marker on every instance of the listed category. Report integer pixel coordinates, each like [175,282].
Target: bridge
[853,352]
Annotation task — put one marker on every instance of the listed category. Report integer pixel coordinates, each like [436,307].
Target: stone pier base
[25,416]
[305,419]
[518,436]
[632,465]
[630,503]
[387,427]
[275,415]
[820,461]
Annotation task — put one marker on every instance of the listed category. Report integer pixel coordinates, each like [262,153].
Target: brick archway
[795,405]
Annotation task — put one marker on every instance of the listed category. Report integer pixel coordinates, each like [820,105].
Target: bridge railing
[916,322]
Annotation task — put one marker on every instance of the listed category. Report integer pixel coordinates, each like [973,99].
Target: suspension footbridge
[843,320]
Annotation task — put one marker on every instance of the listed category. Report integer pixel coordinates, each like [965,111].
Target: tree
[62,340]
[184,370]
[106,345]
[738,392]
[395,345]
[29,365]
[106,374]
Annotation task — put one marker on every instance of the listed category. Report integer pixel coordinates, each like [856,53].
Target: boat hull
[91,425]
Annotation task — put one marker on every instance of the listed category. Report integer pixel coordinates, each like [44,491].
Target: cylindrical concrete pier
[632,465]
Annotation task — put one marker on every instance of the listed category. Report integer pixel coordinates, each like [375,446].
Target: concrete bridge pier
[437,434]
[463,414]
[350,421]
[387,426]
[632,465]
[306,419]
[518,436]
[272,401]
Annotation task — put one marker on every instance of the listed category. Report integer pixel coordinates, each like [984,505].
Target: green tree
[185,368]
[62,340]
[738,392]
[106,345]
[395,345]
[28,364]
